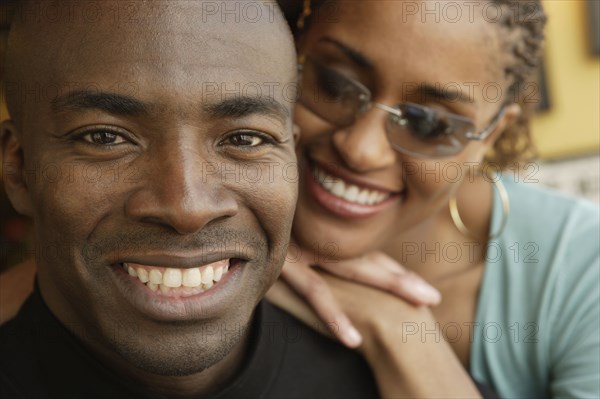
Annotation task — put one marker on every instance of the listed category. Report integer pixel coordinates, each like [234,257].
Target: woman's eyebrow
[445,94]
[356,56]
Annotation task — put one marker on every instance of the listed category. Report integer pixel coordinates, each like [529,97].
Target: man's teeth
[143,275]
[172,278]
[198,277]
[347,191]
[154,275]
[191,278]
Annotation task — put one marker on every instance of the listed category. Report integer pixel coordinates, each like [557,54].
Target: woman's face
[367,193]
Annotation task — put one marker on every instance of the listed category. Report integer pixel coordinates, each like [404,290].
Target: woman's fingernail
[353,337]
[427,292]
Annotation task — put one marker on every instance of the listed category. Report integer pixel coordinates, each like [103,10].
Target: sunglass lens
[423,131]
[329,94]
[424,123]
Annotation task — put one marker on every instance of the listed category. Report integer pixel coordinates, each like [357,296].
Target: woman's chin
[331,242]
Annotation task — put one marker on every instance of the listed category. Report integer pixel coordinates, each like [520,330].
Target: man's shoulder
[313,365]
[289,361]
[19,374]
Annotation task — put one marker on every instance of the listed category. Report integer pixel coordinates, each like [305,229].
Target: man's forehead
[154,32]
[167,63]
[181,38]
[170,48]
[160,13]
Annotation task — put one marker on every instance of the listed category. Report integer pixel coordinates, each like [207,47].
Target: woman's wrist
[404,329]
[410,358]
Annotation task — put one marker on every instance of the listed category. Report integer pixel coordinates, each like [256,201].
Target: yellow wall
[572,125]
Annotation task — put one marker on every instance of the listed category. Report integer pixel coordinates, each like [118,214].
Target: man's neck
[203,383]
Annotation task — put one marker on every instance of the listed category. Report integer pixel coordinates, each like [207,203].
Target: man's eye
[245,140]
[103,137]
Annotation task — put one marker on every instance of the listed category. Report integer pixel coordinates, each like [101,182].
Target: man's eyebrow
[111,103]
[353,54]
[242,106]
[445,94]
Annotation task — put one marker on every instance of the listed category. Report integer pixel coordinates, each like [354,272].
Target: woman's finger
[310,286]
[386,274]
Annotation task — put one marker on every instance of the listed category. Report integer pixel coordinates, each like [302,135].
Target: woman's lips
[344,198]
[350,178]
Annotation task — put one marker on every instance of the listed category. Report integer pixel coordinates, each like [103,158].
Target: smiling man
[153,150]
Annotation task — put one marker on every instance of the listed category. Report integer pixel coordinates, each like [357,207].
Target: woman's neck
[436,249]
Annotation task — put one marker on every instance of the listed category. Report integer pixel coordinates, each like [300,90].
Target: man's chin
[187,356]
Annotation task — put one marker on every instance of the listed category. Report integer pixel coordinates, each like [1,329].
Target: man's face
[166,148]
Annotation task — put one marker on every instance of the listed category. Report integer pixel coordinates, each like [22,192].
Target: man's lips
[171,293]
[179,259]
[178,282]
[345,198]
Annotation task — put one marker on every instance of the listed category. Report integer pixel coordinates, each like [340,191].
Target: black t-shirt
[40,358]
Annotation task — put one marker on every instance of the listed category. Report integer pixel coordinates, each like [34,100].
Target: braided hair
[522,24]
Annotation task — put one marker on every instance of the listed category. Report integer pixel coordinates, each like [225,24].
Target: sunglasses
[412,129]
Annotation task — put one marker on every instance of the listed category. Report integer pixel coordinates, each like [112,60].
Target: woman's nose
[364,145]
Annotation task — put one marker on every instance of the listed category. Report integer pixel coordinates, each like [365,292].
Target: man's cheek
[72,203]
[277,201]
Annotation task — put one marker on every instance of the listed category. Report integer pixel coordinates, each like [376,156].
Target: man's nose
[364,145]
[179,194]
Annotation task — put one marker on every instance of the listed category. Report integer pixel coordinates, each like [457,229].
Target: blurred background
[566,128]
[567,133]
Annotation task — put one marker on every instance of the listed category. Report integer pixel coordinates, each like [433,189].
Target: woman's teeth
[347,191]
[192,281]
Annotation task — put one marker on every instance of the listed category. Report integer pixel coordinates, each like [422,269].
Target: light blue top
[537,325]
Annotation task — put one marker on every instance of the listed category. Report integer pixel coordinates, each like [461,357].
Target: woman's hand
[403,344]
[405,362]
[374,269]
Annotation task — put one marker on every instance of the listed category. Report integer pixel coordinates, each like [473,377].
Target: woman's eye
[104,137]
[331,83]
[426,123]
[430,129]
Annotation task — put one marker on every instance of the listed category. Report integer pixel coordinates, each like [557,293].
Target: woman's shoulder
[561,223]
[538,304]
[551,239]
[537,200]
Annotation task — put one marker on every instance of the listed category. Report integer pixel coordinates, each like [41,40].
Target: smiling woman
[408,116]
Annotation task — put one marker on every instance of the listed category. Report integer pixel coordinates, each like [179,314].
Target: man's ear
[13,168]
[510,116]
